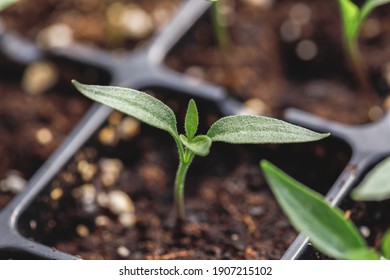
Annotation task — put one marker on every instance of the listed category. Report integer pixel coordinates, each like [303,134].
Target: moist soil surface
[230,212]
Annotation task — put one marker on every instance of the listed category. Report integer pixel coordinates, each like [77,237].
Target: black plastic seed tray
[144,68]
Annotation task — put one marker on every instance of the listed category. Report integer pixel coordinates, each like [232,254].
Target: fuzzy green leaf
[376,184]
[362,254]
[248,129]
[200,145]
[327,228]
[134,103]
[191,120]
[385,246]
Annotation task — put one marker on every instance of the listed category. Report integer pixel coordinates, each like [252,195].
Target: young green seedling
[326,226]
[245,129]
[219,25]
[352,19]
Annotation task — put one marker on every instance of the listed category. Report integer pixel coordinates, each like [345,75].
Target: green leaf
[376,184]
[362,254]
[248,129]
[350,18]
[191,120]
[369,6]
[200,145]
[353,17]
[5,3]
[385,246]
[134,103]
[327,228]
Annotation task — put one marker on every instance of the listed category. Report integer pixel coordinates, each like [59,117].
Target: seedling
[352,19]
[245,129]
[326,226]
[219,25]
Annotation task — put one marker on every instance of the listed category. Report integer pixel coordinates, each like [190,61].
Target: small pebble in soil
[290,31]
[108,136]
[102,221]
[33,224]
[375,113]
[306,50]
[132,20]
[56,193]
[196,72]
[39,77]
[82,230]
[256,106]
[119,202]
[260,3]
[129,128]
[127,219]
[86,170]
[115,118]
[86,194]
[44,136]
[13,182]
[257,211]
[123,251]
[371,28]
[365,231]
[110,171]
[300,13]
[55,36]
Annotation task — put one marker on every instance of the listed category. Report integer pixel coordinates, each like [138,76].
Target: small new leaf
[376,184]
[249,129]
[327,228]
[191,120]
[200,145]
[134,103]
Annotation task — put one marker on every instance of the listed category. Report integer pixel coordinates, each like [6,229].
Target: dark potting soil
[231,213]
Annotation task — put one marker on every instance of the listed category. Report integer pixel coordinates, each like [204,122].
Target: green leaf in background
[5,3]
[248,129]
[370,5]
[134,103]
[200,145]
[191,120]
[350,18]
[376,184]
[385,246]
[353,16]
[327,228]
[362,254]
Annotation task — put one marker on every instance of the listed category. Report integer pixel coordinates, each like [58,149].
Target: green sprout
[243,129]
[219,25]
[327,228]
[352,19]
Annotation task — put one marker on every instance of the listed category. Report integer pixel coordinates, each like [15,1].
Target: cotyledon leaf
[134,103]
[249,129]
